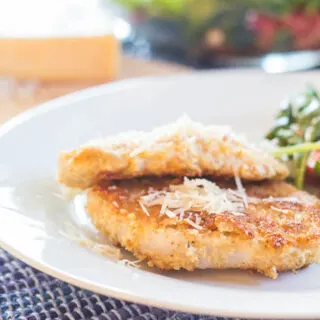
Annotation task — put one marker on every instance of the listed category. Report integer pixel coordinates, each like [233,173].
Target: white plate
[32,214]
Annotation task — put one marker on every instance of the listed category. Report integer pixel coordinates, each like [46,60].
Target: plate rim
[106,89]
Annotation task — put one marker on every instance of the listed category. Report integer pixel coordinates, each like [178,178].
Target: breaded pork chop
[174,224]
[184,148]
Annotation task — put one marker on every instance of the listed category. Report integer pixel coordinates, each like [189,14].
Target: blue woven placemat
[26,293]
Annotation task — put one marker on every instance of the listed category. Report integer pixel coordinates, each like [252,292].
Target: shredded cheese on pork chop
[186,201]
[184,129]
[241,190]
[196,195]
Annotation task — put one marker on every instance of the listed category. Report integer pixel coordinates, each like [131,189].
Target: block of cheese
[83,58]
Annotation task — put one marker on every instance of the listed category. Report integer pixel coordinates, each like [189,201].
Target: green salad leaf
[297,132]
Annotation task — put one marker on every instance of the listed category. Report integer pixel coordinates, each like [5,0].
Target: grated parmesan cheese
[196,195]
[279,209]
[162,138]
[286,199]
[75,234]
[196,224]
[115,203]
[144,209]
[129,263]
[187,200]
[241,190]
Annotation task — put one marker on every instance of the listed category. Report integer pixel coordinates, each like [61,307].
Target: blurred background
[226,33]
[51,47]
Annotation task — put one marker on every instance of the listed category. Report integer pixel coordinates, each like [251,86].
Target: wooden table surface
[16,97]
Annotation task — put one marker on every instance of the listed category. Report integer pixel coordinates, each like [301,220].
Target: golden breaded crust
[271,236]
[180,149]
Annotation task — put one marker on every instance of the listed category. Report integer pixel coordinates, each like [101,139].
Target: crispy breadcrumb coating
[279,229]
